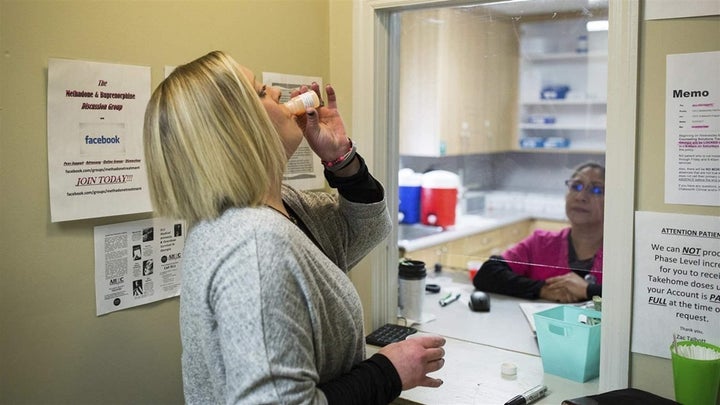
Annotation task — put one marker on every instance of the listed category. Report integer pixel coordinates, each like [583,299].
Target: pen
[449,299]
[528,396]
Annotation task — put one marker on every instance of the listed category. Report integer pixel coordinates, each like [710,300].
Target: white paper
[677,281]
[96,166]
[137,263]
[662,9]
[304,170]
[530,308]
[692,129]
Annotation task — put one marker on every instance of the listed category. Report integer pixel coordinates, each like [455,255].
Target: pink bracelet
[343,160]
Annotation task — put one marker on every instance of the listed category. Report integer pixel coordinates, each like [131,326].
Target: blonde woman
[267,312]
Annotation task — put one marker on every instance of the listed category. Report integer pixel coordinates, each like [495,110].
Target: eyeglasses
[577,186]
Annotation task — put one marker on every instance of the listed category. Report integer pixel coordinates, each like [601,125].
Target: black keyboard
[389,333]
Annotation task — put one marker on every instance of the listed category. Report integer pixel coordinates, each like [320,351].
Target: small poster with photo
[137,263]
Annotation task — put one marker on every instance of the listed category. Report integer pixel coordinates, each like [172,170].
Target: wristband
[342,161]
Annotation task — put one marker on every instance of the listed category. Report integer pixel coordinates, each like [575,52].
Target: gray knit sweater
[265,316]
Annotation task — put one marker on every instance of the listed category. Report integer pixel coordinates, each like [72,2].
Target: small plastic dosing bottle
[298,104]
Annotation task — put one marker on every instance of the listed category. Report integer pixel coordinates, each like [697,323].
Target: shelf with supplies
[556,142]
[570,124]
[565,102]
[563,88]
[561,127]
[567,125]
[565,56]
[596,150]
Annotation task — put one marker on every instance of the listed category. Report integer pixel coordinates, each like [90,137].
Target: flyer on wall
[692,129]
[95,113]
[304,170]
[677,281]
[137,263]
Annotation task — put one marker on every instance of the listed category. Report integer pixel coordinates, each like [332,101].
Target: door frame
[371,103]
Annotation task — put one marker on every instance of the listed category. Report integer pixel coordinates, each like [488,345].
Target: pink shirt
[548,252]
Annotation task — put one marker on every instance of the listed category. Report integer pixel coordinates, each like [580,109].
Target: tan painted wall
[53,349]
[658,39]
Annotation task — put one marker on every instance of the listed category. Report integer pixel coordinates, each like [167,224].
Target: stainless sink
[415,231]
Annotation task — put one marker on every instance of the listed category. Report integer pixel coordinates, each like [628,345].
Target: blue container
[554,92]
[532,142]
[569,342]
[409,205]
[541,119]
[410,186]
[556,142]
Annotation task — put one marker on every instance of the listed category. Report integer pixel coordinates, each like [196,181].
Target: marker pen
[449,299]
[528,396]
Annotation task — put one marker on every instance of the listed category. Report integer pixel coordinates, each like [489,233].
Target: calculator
[389,333]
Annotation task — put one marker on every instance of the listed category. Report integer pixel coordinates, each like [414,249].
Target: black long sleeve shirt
[495,275]
[375,380]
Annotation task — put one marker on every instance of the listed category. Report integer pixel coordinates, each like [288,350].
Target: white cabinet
[563,86]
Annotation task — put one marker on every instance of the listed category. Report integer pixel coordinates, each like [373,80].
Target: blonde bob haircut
[209,143]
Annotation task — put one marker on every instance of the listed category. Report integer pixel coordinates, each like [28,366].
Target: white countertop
[478,343]
[472,376]
[504,327]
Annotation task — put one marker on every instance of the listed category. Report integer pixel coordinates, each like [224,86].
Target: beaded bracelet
[342,161]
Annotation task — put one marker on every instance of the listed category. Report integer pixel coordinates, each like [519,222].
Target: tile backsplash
[507,171]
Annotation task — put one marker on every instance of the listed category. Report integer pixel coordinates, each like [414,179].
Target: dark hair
[591,165]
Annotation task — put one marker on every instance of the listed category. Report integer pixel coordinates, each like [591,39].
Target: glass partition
[501,102]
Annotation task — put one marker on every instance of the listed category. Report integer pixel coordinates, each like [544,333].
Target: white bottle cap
[508,369]
[407,177]
[440,179]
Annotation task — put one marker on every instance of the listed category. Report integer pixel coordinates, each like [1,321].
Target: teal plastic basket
[569,347]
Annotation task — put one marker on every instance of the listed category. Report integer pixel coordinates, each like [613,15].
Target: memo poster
[692,129]
[95,115]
